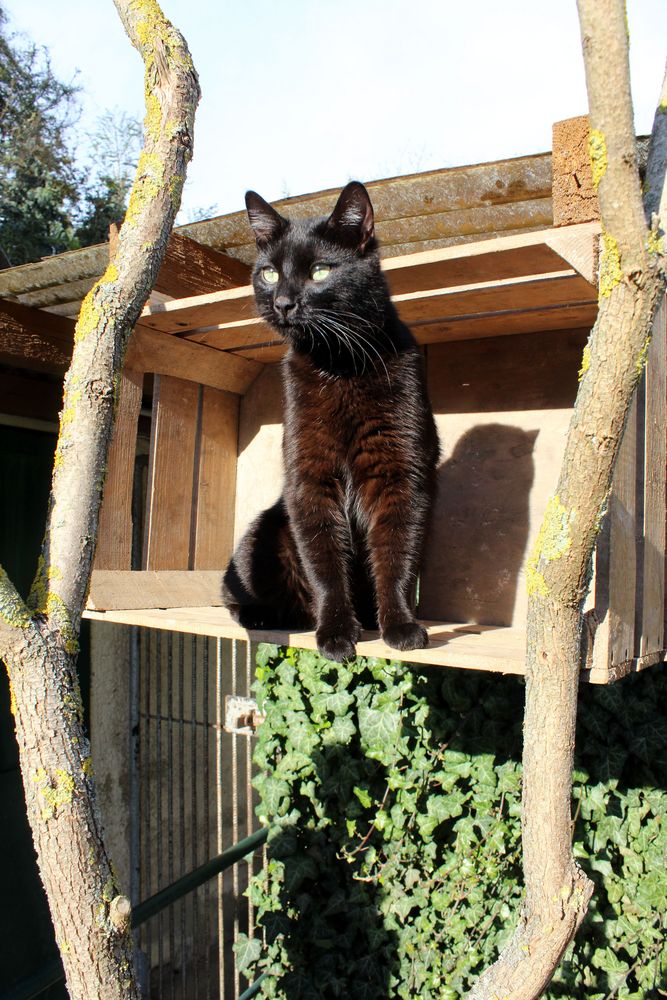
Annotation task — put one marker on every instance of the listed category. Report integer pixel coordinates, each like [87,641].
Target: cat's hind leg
[264,585]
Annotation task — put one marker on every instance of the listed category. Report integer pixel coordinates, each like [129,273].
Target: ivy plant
[393,797]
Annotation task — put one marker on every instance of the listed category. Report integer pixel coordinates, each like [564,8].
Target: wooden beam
[574,196]
[34,339]
[192,268]
[487,262]
[117,589]
[154,352]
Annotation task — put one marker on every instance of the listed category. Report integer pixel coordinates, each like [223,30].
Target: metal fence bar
[53,973]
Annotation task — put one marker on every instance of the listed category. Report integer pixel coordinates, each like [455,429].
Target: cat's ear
[353,216]
[266,223]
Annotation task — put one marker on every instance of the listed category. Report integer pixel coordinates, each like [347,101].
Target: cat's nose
[284,305]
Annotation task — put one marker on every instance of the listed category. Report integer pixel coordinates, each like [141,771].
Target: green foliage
[38,181]
[393,795]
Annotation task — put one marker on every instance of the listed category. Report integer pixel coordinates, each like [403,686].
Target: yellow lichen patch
[89,317]
[59,616]
[153,117]
[585,362]
[12,609]
[110,275]
[147,185]
[642,356]
[553,541]
[176,190]
[87,767]
[655,243]
[597,150]
[109,890]
[56,793]
[610,265]
[12,700]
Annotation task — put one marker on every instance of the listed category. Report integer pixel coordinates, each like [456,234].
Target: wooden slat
[483,325]
[516,294]
[171,473]
[520,180]
[154,352]
[502,409]
[652,595]
[506,261]
[623,546]
[114,538]
[28,394]
[117,590]
[191,268]
[216,480]
[31,338]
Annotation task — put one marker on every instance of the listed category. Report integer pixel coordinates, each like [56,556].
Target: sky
[302,95]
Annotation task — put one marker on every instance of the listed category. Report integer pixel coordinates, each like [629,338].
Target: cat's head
[313,277]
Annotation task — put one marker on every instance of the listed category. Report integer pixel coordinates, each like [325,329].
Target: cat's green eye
[270,275]
[319,272]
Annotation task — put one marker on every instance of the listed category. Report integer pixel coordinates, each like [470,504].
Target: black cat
[343,544]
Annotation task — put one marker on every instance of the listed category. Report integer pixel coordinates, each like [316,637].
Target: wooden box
[503,323]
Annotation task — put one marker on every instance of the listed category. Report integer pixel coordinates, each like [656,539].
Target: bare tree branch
[632,281]
[39,640]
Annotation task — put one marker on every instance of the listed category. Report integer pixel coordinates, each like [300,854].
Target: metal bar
[235,817]
[198,877]
[170,804]
[193,801]
[207,819]
[254,989]
[51,974]
[219,815]
[181,817]
[158,788]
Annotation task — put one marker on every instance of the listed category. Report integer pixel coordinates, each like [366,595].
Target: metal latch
[242,715]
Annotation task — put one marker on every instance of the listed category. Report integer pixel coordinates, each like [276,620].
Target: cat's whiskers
[349,334]
[341,334]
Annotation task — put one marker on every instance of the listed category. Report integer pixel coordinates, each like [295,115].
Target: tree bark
[39,638]
[632,282]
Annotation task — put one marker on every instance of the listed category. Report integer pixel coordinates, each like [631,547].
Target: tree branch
[632,281]
[108,314]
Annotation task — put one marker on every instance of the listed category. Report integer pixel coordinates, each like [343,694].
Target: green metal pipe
[53,973]
[254,989]
[194,879]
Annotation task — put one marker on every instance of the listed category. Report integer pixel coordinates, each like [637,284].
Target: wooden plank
[191,268]
[502,409]
[154,352]
[574,195]
[118,590]
[652,622]
[31,338]
[516,294]
[216,480]
[489,262]
[114,537]
[623,546]
[171,473]
[452,644]
[488,325]
[265,354]
[513,181]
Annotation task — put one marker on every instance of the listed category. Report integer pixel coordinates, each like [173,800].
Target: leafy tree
[115,145]
[38,177]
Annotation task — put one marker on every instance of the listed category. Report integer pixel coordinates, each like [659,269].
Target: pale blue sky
[300,95]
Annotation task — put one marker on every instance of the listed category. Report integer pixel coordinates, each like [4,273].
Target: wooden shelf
[452,644]
[538,281]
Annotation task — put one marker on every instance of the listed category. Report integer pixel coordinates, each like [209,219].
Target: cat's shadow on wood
[479,532]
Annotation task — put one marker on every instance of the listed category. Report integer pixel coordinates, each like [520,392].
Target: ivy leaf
[247,951]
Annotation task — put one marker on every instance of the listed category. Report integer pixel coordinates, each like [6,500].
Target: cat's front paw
[337,642]
[406,635]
